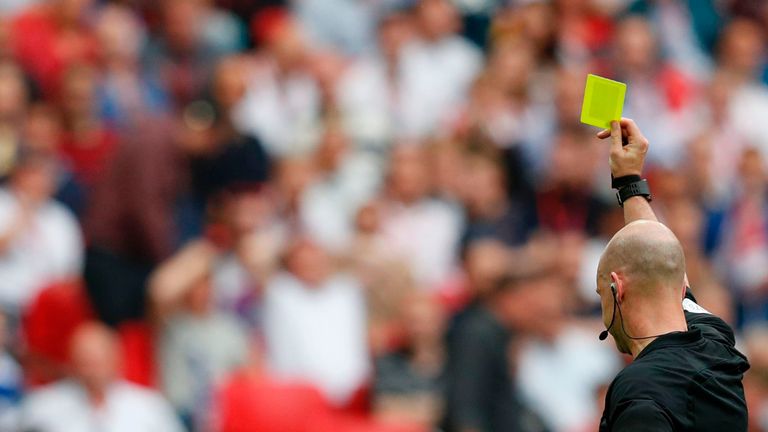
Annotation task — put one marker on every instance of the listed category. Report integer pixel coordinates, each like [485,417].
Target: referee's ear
[619,286]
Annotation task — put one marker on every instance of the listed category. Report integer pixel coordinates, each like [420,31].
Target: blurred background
[356,215]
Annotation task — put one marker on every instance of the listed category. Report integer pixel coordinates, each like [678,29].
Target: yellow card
[603,101]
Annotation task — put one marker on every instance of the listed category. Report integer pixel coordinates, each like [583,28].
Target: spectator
[386,277]
[198,344]
[346,178]
[62,38]
[413,224]
[40,241]
[437,69]
[744,255]
[180,57]
[567,199]
[741,47]
[220,156]
[408,386]
[314,324]
[87,144]
[663,95]
[95,398]
[126,89]
[369,92]
[283,102]
[482,394]
[490,210]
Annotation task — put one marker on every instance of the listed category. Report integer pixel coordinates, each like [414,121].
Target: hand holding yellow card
[603,101]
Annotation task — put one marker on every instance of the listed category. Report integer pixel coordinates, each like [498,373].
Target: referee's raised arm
[628,149]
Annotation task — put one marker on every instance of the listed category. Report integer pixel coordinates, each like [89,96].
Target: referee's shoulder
[636,381]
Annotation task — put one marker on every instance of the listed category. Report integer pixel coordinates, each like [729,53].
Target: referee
[686,373]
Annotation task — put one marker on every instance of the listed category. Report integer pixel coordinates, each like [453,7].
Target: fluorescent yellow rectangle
[603,101]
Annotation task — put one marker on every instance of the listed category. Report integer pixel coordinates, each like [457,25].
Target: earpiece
[616,305]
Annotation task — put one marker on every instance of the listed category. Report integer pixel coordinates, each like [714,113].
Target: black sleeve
[642,415]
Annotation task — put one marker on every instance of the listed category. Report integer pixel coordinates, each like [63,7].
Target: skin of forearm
[638,208]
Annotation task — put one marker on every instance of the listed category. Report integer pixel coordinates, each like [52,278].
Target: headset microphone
[604,334]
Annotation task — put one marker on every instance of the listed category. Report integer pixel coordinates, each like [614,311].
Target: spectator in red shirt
[87,143]
[61,38]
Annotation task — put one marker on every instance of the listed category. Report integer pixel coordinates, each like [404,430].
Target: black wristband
[620,182]
[638,188]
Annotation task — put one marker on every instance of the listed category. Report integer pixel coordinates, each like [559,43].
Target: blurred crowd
[356,215]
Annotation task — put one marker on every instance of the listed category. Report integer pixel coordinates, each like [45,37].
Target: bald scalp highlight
[648,255]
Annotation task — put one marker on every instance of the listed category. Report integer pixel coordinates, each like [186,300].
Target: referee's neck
[653,323]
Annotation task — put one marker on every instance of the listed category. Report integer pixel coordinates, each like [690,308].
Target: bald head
[648,255]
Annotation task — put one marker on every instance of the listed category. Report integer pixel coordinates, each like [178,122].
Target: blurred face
[486,262]
[394,32]
[229,83]
[13,94]
[287,44]
[424,320]
[182,20]
[118,33]
[535,306]
[484,187]
[511,63]
[742,46]
[94,356]
[35,181]
[570,93]
[293,176]
[636,46]
[308,262]
[753,173]
[332,149]
[573,160]
[42,128]
[684,218]
[437,18]
[245,211]
[408,175]
[78,93]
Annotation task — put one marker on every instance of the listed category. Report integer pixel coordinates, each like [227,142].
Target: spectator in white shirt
[314,324]
[422,230]
[346,179]
[40,240]
[282,103]
[95,399]
[436,70]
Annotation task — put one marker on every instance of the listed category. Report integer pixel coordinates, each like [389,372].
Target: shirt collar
[671,339]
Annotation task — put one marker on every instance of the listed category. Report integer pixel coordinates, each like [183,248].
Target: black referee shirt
[682,381]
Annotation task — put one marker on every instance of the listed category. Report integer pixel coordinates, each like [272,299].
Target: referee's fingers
[616,135]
